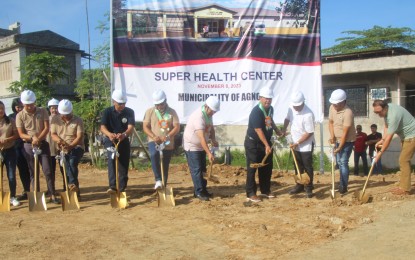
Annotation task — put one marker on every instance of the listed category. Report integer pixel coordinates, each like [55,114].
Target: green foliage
[94,94]
[38,71]
[375,38]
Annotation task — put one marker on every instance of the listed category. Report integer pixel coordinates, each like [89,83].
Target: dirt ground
[286,227]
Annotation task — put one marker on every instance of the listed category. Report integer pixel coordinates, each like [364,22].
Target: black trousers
[305,164]
[255,152]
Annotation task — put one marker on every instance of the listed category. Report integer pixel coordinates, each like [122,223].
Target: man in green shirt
[397,121]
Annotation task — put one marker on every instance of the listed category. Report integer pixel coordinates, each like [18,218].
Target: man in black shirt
[117,123]
[258,144]
[372,139]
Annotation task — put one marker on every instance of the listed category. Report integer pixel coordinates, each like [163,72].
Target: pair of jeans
[9,159]
[255,153]
[155,161]
[408,150]
[357,156]
[44,161]
[123,163]
[196,161]
[22,166]
[342,159]
[72,160]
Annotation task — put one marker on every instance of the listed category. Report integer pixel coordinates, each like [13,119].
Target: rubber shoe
[14,202]
[22,197]
[72,187]
[254,198]
[202,197]
[267,196]
[309,193]
[297,189]
[111,191]
[158,185]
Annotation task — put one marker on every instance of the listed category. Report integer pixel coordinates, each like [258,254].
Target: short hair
[379,102]
[373,125]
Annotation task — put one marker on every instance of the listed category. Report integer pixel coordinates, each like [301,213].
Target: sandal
[399,191]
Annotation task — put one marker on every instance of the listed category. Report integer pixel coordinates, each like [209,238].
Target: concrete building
[15,46]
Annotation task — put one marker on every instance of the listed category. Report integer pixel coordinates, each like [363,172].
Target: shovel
[361,195]
[261,164]
[334,194]
[165,195]
[211,177]
[300,178]
[69,198]
[37,200]
[4,196]
[119,199]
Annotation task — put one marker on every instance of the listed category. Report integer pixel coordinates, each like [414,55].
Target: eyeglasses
[121,104]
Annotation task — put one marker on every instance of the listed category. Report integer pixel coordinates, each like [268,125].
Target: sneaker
[111,191]
[309,192]
[54,200]
[254,198]
[14,202]
[23,196]
[297,189]
[72,187]
[158,185]
[267,196]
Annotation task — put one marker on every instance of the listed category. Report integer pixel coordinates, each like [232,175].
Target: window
[6,70]
[356,99]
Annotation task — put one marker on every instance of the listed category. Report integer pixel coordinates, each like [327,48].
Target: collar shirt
[7,130]
[117,122]
[68,131]
[341,119]
[301,122]
[34,123]
[191,141]
[169,115]
[400,122]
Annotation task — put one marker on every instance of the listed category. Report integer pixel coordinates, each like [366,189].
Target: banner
[230,49]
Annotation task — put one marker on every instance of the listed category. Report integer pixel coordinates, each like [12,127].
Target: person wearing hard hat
[67,130]
[8,135]
[33,126]
[117,123]
[258,145]
[301,121]
[54,149]
[198,131]
[342,134]
[160,124]
[398,121]
[21,162]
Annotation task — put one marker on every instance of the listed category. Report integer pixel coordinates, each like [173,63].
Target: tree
[375,38]
[38,71]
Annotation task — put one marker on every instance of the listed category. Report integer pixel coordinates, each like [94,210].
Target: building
[15,46]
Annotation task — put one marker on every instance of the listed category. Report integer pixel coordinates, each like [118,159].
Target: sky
[69,19]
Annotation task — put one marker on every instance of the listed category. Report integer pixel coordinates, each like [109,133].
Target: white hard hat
[28,97]
[65,107]
[159,97]
[297,99]
[266,92]
[213,103]
[337,96]
[119,96]
[53,102]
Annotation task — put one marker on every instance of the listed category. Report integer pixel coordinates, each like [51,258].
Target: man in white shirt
[302,131]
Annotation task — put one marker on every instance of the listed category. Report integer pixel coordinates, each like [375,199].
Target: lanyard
[163,119]
[208,120]
[268,119]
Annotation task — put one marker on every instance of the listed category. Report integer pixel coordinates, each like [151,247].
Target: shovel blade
[37,201]
[334,194]
[5,201]
[362,197]
[165,197]
[119,200]
[69,201]
[214,179]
